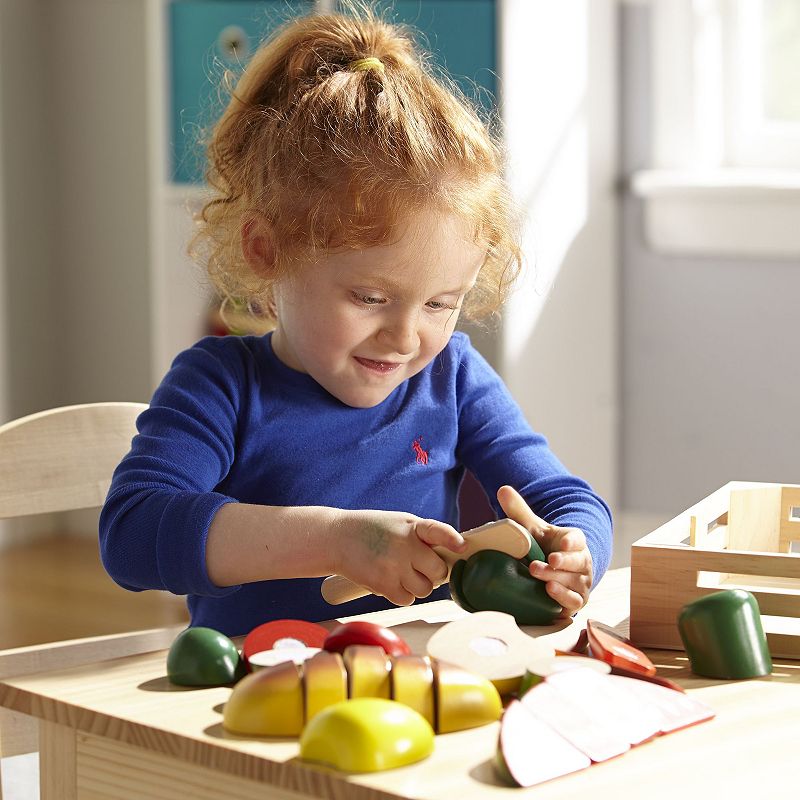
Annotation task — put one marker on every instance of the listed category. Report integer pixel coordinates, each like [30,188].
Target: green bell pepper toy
[203,657]
[493,581]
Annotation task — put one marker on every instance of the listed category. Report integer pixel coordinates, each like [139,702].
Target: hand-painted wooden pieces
[203,657]
[271,702]
[723,636]
[362,632]
[580,716]
[367,735]
[607,645]
[488,643]
[542,667]
[504,535]
[490,580]
[282,640]
[269,698]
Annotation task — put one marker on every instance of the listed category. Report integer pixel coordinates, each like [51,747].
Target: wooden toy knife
[504,535]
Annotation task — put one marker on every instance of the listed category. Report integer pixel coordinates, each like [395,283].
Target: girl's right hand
[389,552]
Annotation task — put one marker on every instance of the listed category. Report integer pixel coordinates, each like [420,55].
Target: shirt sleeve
[162,499]
[499,447]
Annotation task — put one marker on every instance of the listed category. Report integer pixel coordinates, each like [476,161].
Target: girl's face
[360,322]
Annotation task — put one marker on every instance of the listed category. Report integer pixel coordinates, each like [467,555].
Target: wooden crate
[743,535]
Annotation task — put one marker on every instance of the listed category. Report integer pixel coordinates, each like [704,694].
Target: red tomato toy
[359,632]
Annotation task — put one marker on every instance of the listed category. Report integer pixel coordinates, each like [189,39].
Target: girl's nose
[400,333]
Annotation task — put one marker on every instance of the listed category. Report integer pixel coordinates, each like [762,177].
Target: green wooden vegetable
[203,657]
[723,636]
[493,581]
[456,573]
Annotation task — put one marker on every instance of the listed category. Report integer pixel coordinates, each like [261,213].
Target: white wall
[560,336]
[27,156]
[76,214]
[4,328]
[710,384]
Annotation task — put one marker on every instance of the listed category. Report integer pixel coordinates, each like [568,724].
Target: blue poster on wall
[209,38]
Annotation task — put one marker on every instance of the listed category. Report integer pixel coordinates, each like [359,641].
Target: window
[763,83]
[725,126]
[727,83]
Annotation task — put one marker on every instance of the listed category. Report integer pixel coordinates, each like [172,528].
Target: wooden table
[118,729]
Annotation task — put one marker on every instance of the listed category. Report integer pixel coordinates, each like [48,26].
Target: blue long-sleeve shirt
[230,422]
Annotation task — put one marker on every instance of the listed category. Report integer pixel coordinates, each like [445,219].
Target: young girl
[360,204]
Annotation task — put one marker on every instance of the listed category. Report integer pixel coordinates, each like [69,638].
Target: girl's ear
[258,245]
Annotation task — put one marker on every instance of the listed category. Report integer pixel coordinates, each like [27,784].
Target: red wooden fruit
[282,633]
[607,645]
[360,632]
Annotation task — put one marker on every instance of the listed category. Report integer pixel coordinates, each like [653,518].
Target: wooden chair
[62,460]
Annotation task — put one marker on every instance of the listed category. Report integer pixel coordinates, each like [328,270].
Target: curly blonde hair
[333,153]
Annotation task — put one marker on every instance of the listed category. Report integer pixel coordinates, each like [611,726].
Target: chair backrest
[62,459]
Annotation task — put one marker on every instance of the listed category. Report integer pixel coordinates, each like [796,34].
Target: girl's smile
[377,366]
[361,322]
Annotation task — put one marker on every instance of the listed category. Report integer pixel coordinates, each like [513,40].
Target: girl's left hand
[568,571]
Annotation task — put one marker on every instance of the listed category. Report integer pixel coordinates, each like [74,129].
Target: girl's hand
[389,552]
[568,571]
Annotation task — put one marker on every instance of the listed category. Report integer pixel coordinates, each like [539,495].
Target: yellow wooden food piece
[463,700]
[367,671]
[412,684]
[266,703]
[324,682]
[367,734]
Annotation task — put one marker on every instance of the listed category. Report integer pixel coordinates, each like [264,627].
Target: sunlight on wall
[544,67]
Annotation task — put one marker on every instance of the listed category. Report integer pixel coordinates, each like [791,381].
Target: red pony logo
[422,455]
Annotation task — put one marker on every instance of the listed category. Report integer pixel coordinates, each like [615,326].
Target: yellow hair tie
[365,64]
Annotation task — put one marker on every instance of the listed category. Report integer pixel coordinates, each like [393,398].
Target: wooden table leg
[57,762]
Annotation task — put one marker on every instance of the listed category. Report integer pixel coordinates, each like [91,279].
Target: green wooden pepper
[723,636]
[493,581]
[203,657]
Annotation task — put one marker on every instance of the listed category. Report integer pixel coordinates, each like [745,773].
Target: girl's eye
[438,305]
[367,299]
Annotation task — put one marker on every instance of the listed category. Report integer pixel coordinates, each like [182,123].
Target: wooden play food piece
[412,684]
[504,535]
[367,669]
[488,643]
[520,763]
[463,699]
[495,581]
[598,715]
[574,722]
[282,634]
[723,636]
[203,657]
[609,705]
[268,658]
[677,709]
[278,700]
[366,735]
[324,682]
[268,702]
[607,645]
[362,632]
[541,668]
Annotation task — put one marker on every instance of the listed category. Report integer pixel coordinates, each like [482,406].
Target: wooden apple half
[529,751]
[463,699]
[267,703]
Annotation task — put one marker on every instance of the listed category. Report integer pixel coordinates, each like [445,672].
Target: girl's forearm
[249,543]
